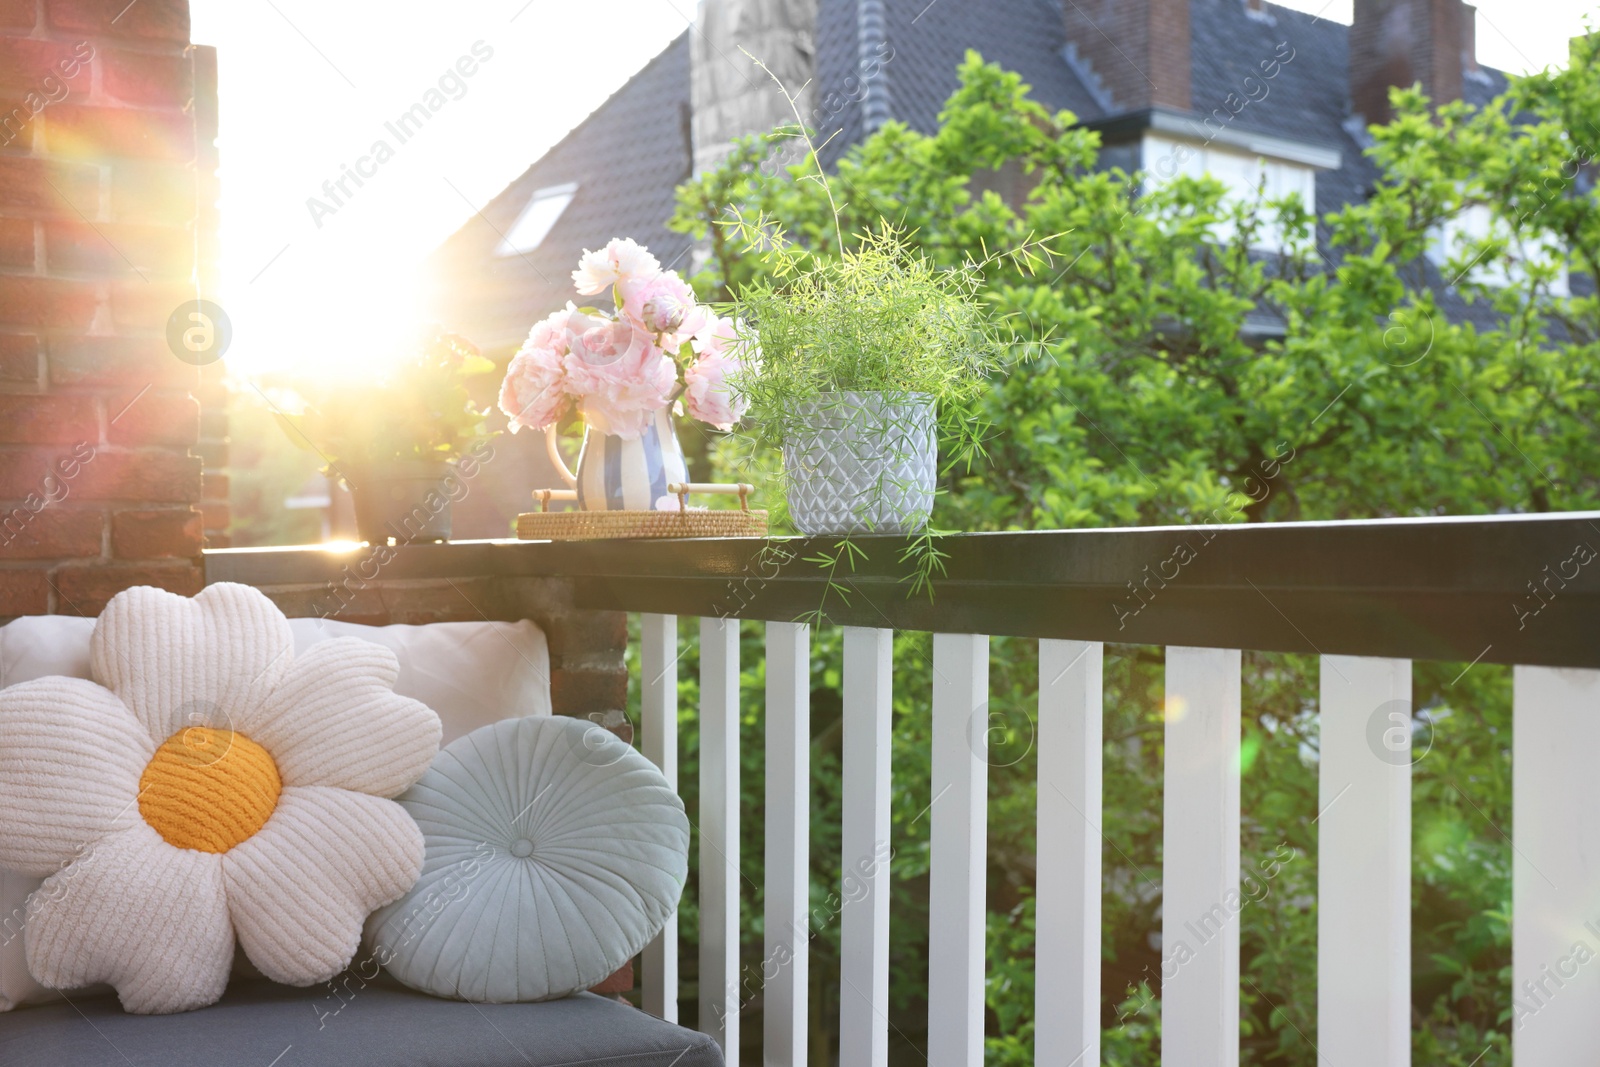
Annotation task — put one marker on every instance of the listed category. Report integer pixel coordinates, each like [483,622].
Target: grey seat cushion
[381,1024]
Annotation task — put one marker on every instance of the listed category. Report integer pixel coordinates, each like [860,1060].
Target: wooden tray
[602,525]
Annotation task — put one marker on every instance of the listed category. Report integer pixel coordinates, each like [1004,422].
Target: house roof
[627,160]
[929,41]
[629,156]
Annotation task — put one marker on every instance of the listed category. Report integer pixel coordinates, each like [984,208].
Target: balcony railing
[1368,598]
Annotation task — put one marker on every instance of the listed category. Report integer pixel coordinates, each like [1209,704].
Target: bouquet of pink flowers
[619,368]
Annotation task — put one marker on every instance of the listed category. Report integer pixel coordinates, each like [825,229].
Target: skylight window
[537,219]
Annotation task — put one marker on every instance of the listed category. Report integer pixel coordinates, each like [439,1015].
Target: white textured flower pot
[868,463]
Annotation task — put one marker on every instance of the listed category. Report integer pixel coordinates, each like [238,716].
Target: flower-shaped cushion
[208,785]
[555,852]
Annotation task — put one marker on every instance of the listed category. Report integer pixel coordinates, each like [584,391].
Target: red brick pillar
[107,224]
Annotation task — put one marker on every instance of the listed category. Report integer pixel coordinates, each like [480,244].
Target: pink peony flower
[618,261]
[620,377]
[617,367]
[534,393]
[730,338]
[708,395]
[664,306]
[551,331]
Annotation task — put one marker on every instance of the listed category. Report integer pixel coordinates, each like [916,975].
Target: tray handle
[683,489]
[680,489]
[544,496]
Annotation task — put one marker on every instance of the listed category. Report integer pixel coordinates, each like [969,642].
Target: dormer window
[1248,177]
[537,219]
[1463,235]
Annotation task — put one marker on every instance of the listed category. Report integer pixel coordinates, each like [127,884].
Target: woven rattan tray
[547,525]
[602,525]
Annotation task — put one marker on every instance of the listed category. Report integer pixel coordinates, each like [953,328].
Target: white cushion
[42,645]
[471,673]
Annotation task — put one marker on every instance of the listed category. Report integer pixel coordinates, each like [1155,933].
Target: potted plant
[869,359]
[396,445]
[620,372]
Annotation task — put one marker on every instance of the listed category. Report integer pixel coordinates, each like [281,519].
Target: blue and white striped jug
[615,474]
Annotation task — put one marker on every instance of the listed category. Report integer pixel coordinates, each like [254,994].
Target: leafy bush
[1146,403]
[420,410]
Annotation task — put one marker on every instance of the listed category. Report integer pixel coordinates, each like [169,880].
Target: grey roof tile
[627,158]
[929,41]
[1307,100]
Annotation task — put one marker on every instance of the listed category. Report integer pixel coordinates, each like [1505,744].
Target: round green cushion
[554,853]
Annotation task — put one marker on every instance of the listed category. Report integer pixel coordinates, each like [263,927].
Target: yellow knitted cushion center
[208,789]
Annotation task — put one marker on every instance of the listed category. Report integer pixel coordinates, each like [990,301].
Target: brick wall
[108,122]
[1138,49]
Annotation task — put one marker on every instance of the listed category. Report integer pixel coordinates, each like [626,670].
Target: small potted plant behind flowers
[404,446]
[620,371]
[869,359]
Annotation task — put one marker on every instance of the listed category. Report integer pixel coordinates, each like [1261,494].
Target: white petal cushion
[178,662]
[32,648]
[471,673]
[148,876]
[554,853]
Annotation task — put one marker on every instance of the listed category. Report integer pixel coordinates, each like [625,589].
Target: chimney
[1404,43]
[1469,39]
[731,96]
[1138,50]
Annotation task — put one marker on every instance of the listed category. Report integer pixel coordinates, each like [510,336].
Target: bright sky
[1520,36]
[307,86]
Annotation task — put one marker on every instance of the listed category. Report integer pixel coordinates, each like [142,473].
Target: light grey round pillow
[555,852]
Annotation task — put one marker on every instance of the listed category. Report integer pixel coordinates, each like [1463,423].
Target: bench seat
[382,1024]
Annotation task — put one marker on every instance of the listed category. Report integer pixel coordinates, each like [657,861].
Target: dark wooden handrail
[1495,589]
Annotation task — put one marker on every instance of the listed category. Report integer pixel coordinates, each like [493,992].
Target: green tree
[1436,356]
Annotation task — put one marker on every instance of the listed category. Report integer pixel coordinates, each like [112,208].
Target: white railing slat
[1555,879]
[958,842]
[1364,862]
[719,832]
[1066,990]
[658,722]
[788,845]
[1200,867]
[864,913]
